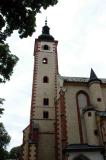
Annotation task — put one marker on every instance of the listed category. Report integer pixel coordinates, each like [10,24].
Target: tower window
[45,79]
[45,101]
[45,114]
[45,61]
[46,47]
[96,132]
[89,114]
[99,99]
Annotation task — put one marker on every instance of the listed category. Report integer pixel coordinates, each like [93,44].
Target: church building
[68,114]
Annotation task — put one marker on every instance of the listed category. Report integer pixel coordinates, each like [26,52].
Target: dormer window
[46,47]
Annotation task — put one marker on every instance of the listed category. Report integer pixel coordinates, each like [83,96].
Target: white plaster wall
[71,112]
[46,125]
[51,44]
[96,92]
[90,122]
[46,147]
[39,112]
[104,94]
[46,90]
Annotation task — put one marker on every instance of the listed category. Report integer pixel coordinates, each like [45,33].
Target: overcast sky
[80,28]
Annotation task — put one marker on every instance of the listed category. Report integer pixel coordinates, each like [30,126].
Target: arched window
[45,61]
[82,100]
[45,79]
[46,47]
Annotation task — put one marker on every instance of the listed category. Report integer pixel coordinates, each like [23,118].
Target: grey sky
[80,28]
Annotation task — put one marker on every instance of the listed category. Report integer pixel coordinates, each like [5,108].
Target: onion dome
[45,36]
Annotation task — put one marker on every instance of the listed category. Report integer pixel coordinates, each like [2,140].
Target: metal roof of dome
[45,36]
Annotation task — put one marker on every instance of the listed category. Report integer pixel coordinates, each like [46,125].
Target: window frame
[45,79]
[46,47]
[46,101]
[45,60]
[45,114]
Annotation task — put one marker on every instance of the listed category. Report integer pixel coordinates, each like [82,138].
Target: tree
[1,109]
[7,63]
[4,154]
[4,137]
[4,141]
[17,15]
[20,15]
[15,152]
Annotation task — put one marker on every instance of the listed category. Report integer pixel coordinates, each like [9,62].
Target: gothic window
[82,100]
[45,115]
[46,47]
[45,61]
[45,101]
[45,79]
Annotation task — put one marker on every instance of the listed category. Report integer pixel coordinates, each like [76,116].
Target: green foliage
[4,141]
[7,62]
[4,154]
[1,103]
[4,137]
[15,152]
[20,15]
[15,15]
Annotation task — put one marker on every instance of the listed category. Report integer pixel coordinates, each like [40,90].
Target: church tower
[68,114]
[39,136]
